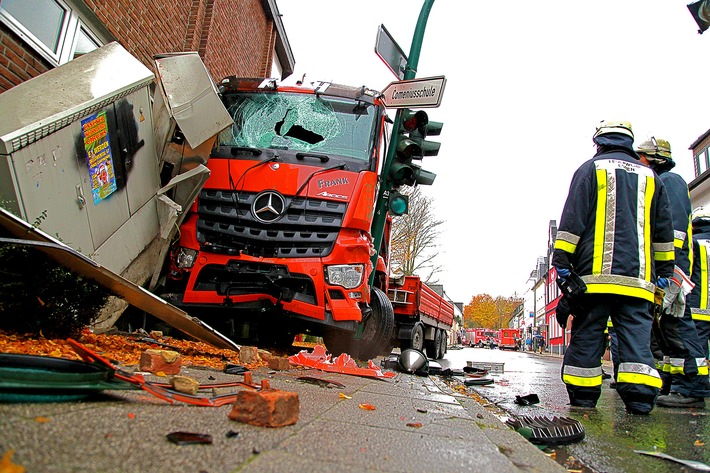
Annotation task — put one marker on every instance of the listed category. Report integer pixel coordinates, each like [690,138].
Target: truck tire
[444,344]
[417,340]
[379,328]
[376,336]
[433,347]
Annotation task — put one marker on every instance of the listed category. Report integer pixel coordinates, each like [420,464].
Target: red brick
[266,408]
[279,363]
[161,361]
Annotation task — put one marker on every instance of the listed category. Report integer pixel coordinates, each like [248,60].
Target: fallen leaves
[367,407]
[120,349]
[344,396]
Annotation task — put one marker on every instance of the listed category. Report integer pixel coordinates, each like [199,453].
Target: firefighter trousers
[684,362]
[638,382]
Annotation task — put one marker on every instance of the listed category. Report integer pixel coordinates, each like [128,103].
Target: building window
[59,34]
[701,162]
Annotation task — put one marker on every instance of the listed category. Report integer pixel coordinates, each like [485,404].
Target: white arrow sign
[420,93]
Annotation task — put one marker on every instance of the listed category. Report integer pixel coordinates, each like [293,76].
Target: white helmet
[700,215]
[614,126]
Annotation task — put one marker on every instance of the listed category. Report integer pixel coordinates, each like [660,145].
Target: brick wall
[233,37]
[18,63]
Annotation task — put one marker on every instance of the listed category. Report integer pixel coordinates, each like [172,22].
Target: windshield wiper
[323,158]
[319,171]
[235,150]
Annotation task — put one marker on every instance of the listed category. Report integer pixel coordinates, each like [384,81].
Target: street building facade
[233,37]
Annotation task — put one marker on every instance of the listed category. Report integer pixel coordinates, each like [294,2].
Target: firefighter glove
[662,283]
[674,298]
[562,272]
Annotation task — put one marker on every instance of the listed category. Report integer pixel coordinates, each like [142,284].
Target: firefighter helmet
[614,126]
[655,147]
[700,215]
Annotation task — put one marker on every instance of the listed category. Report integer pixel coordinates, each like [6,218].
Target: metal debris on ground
[491,367]
[344,364]
[527,400]
[189,438]
[691,463]
[542,430]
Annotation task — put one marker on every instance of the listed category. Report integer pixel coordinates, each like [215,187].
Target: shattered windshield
[302,123]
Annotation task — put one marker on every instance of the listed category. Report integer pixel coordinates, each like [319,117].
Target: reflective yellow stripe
[650,190]
[678,243]
[599,222]
[702,370]
[582,381]
[701,317]
[639,378]
[664,255]
[674,370]
[620,290]
[565,246]
[703,278]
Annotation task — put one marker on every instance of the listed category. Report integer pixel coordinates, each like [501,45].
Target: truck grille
[308,227]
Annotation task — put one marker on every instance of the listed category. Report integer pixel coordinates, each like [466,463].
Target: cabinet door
[50,190]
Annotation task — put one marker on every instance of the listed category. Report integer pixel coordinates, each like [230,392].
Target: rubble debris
[527,400]
[320,359]
[478,381]
[279,363]
[189,438]
[267,408]
[232,434]
[185,384]
[541,430]
[323,383]
[165,361]
[691,463]
[249,355]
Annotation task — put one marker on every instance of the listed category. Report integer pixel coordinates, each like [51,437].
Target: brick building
[233,37]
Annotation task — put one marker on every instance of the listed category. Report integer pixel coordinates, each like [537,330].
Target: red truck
[509,339]
[278,241]
[422,315]
[482,337]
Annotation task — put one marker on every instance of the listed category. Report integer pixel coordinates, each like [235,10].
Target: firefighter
[616,233]
[700,310]
[675,341]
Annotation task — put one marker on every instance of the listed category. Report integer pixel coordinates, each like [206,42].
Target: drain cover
[549,431]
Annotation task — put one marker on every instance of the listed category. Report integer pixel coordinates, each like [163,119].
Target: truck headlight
[347,275]
[185,258]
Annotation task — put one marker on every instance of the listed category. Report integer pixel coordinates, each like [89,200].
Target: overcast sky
[527,82]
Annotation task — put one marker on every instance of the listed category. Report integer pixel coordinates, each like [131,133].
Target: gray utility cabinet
[77,156]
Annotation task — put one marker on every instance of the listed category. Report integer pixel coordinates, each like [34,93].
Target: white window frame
[68,35]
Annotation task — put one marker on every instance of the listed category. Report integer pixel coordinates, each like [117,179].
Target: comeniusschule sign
[419,93]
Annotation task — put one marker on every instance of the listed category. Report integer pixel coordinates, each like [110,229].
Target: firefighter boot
[678,400]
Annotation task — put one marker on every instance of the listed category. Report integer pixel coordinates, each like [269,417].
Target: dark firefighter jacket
[679,199]
[699,299]
[615,224]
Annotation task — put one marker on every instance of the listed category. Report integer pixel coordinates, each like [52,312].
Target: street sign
[390,52]
[419,93]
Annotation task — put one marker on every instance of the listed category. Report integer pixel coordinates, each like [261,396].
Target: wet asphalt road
[611,434]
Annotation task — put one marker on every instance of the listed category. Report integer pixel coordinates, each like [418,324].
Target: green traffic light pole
[378,222]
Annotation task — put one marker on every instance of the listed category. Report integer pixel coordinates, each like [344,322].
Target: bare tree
[415,236]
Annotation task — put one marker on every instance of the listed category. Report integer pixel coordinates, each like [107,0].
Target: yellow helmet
[614,126]
[655,147]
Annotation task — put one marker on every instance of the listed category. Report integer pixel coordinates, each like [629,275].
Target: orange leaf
[42,419]
[414,424]
[367,407]
[131,415]
[698,443]
[6,465]
[344,396]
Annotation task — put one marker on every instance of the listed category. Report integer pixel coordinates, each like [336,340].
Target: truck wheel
[433,347]
[417,340]
[379,328]
[444,344]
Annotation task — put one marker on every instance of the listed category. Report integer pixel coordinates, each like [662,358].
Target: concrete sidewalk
[125,431]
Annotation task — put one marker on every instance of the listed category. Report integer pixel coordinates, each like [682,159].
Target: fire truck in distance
[509,339]
[482,337]
[278,241]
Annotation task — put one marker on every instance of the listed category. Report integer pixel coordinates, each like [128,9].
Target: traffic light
[701,14]
[412,144]
[398,203]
